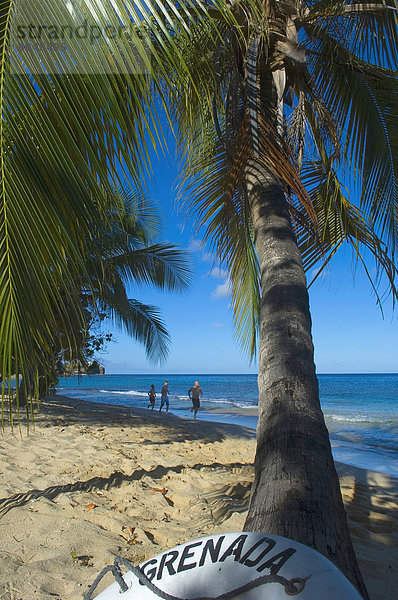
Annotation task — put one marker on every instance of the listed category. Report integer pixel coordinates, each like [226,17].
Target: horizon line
[254,374]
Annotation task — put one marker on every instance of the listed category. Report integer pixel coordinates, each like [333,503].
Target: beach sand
[93,481]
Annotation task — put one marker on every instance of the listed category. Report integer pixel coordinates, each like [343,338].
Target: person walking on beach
[152,396]
[194,393]
[164,399]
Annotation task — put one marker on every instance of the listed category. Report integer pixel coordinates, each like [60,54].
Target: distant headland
[76,368]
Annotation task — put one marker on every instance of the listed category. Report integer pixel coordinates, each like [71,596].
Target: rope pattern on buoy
[292,586]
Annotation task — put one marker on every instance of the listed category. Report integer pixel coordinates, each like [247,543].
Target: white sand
[100,481]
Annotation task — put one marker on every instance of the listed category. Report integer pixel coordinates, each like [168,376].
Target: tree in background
[285,100]
[131,256]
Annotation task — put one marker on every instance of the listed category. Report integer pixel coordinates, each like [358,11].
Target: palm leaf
[369,29]
[142,322]
[73,126]
[368,127]
[340,221]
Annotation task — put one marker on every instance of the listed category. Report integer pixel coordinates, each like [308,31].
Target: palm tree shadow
[115,479]
[62,412]
[370,500]
[371,506]
[65,411]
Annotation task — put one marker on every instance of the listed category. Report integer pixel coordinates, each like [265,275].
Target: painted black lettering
[235,548]
[167,561]
[214,551]
[151,572]
[253,562]
[276,562]
[185,555]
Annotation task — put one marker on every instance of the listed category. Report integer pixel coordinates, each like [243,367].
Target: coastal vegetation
[130,254]
[280,108]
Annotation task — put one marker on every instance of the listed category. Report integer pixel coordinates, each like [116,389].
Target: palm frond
[162,265]
[368,127]
[369,29]
[142,322]
[340,221]
[78,117]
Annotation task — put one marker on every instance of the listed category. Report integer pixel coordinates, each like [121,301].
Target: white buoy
[219,564]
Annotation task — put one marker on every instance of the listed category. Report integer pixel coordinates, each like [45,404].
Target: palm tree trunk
[296,490]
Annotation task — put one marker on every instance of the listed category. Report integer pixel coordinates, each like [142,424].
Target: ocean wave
[124,392]
[382,419]
[77,392]
[219,401]
[206,400]
[229,403]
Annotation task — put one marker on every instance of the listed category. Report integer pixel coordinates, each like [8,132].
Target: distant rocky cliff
[95,368]
[75,368]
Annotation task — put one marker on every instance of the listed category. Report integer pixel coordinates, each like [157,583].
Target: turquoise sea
[361,411]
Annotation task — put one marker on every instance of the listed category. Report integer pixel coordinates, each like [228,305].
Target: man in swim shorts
[194,393]
[164,399]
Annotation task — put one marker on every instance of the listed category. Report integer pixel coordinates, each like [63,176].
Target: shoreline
[94,480]
[346,449]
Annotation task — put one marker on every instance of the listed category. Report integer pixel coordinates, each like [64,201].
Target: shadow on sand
[115,479]
[64,411]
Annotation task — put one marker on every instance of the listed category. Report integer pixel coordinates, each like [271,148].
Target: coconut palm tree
[294,98]
[131,256]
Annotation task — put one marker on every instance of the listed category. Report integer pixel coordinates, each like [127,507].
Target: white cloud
[218,273]
[195,245]
[223,290]
[207,257]
[319,273]
[217,325]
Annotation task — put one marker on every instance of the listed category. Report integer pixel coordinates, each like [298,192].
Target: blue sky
[350,333]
